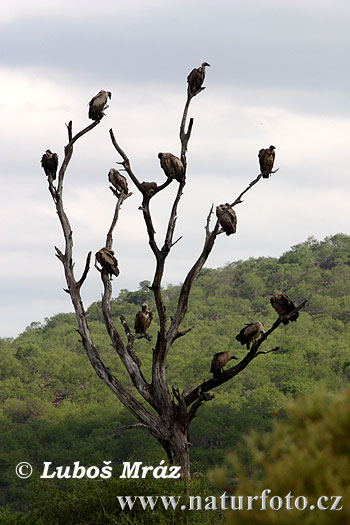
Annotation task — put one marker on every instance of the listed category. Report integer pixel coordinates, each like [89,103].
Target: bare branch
[203,397]
[164,185]
[131,338]
[187,285]
[126,162]
[52,188]
[181,407]
[59,254]
[268,351]
[239,198]
[68,151]
[144,336]
[172,221]
[121,198]
[181,334]
[126,327]
[177,240]
[207,229]
[228,374]
[127,356]
[70,130]
[82,132]
[86,270]
[137,425]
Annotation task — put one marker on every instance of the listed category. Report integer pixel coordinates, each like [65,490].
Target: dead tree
[172,411]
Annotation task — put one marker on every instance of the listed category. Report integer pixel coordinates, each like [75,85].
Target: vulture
[107,261]
[172,166]
[220,359]
[97,104]
[227,218]
[149,188]
[195,80]
[143,319]
[49,162]
[266,160]
[118,181]
[284,305]
[250,332]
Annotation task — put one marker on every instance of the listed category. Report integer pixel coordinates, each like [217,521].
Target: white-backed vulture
[220,359]
[118,181]
[149,188]
[98,104]
[49,162]
[250,332]
[143,319]
[195,79]
[172,166]
[108,262]
[284,305]
[266,160]
[227,218]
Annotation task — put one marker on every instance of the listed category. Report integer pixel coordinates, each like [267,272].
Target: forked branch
[228,374]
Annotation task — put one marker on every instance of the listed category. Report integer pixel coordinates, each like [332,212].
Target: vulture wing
[227,218]
[118,180]
[284,305]
[266,160]
[107,261]
[249,333]
[172,166]
[97,105]
[49,162]
[140,323]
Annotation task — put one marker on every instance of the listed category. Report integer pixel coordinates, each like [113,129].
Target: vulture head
[271,148]
[204,64]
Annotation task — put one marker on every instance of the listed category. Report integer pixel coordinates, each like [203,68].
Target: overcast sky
[279,75]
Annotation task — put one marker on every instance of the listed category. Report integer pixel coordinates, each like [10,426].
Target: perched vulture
[97,104]
[118,181]
[149,188]
[49,162]
[172,166]
[107,261]
[227,218]
[284,305]
[195,79]
[143,319]
[250,332]
[220,359]
[266,160]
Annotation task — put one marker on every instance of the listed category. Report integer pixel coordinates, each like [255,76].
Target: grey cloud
[276,46]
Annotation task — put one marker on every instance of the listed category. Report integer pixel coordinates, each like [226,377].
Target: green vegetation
[306,455]
[91,502]
[54,407]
